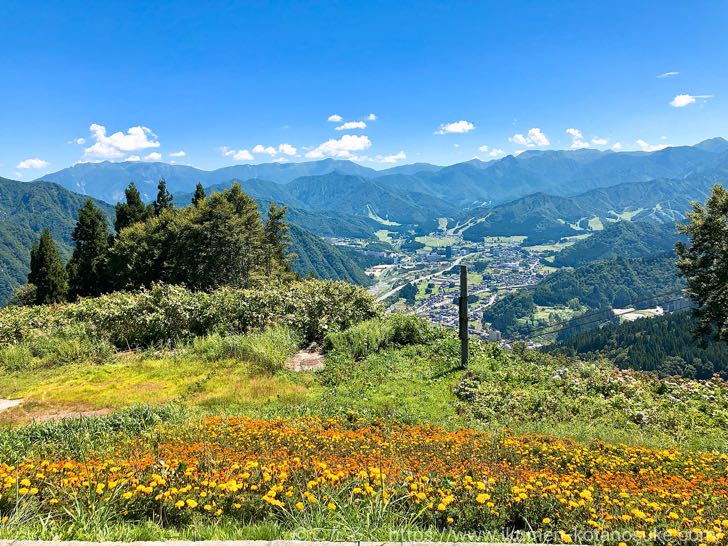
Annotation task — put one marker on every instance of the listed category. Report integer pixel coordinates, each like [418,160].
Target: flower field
[366,480]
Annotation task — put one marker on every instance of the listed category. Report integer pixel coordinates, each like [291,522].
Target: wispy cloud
[577,138]
[335,118]
[181,153]
[462,126]
[647,147]
[351,125]
[372,117]
[667,75]
[599,141]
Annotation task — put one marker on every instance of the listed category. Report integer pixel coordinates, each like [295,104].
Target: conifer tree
[86,268]
[132,211]
[199,195]
[275,232]
[164,198]
[47,273]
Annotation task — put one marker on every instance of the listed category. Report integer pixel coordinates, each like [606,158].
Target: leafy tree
[47,273]
[164,198]
[86,271]
[199,194]
[275,233]
[704,262]
[132,211]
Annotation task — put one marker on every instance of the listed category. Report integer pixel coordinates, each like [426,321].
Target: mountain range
[564,189]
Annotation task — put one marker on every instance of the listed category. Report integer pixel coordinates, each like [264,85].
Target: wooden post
[463,317]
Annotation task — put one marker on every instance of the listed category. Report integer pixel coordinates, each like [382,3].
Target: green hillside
[626,239]
[605,284]
[664,345]
[316,257]
[26,208]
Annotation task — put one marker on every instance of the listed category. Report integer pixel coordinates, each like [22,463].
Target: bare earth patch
[306,360]
[7,404]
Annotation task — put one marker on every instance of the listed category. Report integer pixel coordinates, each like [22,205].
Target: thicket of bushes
[166,314]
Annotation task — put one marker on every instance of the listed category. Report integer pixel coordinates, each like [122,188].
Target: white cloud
[32,163]
[683,100]
[496,152]
[287,149]
[647,147]
[181,153]
[351,125]
[154,156]
[372,117]
[379,158]
[342,147]
[237,155]
[336,118]
[484,148]
[535,137]
[577,138]
[617,146]
[260,149]
[280,160]
[115,145]
[598,141]
[79,141]
[667,74]
[461,126]
[133,158]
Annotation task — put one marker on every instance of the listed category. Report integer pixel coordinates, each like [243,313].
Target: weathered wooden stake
[463,322]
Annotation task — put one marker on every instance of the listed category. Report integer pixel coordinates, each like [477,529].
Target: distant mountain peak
[717,145]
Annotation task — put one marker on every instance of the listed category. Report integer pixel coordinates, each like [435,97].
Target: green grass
[433,241]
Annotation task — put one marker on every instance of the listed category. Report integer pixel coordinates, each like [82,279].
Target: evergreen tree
[132,211]
[199,195]
[47,273]
[86,271]
[704,263]
[164,198]
[275,232]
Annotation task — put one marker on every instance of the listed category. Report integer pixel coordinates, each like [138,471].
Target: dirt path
[7,404]
[307,360]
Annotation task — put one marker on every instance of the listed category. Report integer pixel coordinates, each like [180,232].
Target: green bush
[267,350]
[372,335]
[164,313]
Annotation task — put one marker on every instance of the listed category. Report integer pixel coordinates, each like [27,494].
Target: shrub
[165,313]
[267,350]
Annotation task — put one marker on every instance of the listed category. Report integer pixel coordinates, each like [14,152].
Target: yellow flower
[299,505]
[331,506]
[546,521]
[450,520]
[191,503]
[179,504]
[441,507]
[482,498]
[565,538]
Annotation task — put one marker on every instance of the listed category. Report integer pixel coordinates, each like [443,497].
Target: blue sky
[225,82]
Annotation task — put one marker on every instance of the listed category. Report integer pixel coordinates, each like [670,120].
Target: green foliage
[267,350]
[87,267]
[164,313]
[665,345]
[221,242]
[408,292]
[276,239]
[47,273]
[164,199]
[199,194]
[373,335]
[131,212]
[704,263]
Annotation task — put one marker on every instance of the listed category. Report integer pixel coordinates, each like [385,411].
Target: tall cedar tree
[132,211]
[275,232]
[199,195]
[86,268]
[47,272]
[704,263]
[164,198]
